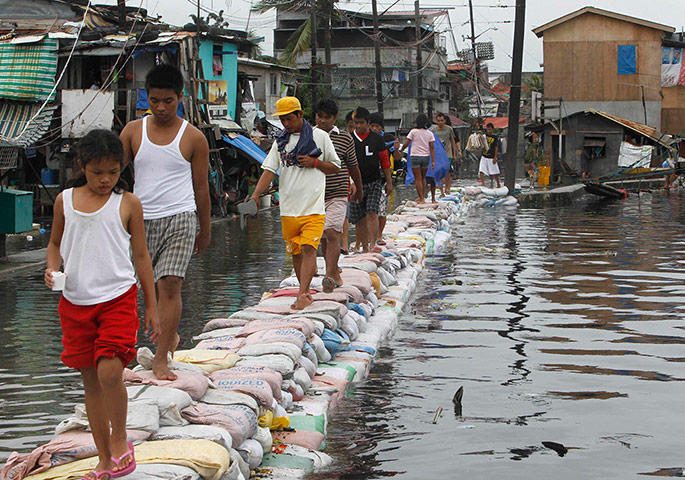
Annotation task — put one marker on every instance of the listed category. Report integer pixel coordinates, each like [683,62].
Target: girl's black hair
[97,145]
[421,121]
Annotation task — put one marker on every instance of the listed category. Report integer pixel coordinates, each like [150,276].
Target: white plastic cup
[60,279]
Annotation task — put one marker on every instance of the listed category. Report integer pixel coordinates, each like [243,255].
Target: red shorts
[91,332]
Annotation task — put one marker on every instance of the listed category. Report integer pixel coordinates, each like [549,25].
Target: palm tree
[301,39]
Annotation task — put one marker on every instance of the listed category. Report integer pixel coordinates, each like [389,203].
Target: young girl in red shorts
[96,224]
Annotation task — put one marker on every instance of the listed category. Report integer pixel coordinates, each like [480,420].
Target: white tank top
[163,177]
[95,248]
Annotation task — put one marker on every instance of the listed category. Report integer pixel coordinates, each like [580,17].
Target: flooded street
[562,325]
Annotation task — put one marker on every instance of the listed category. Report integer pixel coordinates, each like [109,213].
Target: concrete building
[596,59]
[352,57]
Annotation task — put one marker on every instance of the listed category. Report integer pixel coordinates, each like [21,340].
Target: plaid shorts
[383,206]
[370,203]
[170,241]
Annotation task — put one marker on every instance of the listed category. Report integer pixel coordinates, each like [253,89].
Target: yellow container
[543,175]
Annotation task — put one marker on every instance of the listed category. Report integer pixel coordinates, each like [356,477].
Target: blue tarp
[248,146]
[442,164]
[627,60]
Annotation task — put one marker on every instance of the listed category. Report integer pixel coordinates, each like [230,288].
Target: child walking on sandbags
[96,224]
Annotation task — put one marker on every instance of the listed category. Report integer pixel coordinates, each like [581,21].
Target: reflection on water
[564,326]
[532,314]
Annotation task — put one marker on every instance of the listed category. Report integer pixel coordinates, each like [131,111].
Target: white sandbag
[252,452]
[441,242]
[385,276]
[233,472]
[219,332]
[142,414]
[145,358]
[280,363]
[349,326]
[329,321]
[320,459]
[308,366]
[230,397]
[371,297]
[322,353]
[163,471]
[206,432]
[241,464]
[310,407]
[302,378]
[254,315]
[282,348]
[264,437]
[170,402]
[318,327]
[309,353]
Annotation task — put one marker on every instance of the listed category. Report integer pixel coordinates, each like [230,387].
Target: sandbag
[217,323]
[170,401]
[187,432]
[280,363]
[226,342]
[195,384]
[289,335]
[163,471]
[238,420]
[207,458]
[63,448]
[270,376]
[303,438]
[230,397]
[207,360]
[275,348]
[302,324]
[257,388]
[319,459]
[142,414]
[252,452]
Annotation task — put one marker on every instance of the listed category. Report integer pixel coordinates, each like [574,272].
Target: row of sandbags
[253,397]
[488,197]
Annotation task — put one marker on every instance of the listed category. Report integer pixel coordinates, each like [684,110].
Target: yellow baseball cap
[287,105]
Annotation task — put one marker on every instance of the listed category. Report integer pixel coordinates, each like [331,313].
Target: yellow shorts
[298,231]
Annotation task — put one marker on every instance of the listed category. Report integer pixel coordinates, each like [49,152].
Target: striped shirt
[338,184]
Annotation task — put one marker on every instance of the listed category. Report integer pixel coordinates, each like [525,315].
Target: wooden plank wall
[673,111]
[581,58]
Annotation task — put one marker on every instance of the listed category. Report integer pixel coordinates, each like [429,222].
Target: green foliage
[298,42]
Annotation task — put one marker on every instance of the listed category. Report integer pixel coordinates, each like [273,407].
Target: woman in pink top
[422,153]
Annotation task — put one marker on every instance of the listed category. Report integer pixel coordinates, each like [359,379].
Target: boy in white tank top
[171,162]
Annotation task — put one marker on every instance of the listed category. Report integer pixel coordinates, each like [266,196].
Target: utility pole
[328,88]
[419,61]
[121,9]
[515,96]
[315,75]
[476,63]
[377,52]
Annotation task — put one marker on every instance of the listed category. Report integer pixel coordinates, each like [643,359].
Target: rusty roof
[641,128]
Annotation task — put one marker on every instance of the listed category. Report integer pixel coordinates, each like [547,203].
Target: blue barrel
[47,176]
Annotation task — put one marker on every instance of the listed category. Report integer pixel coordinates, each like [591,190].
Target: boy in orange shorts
[304,157]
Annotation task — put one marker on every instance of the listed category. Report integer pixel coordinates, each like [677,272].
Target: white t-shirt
[301,190]
[420,142]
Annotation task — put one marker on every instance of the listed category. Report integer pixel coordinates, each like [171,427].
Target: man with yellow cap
[304,157]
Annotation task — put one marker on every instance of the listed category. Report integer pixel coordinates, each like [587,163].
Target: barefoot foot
[162,371]
[303,301]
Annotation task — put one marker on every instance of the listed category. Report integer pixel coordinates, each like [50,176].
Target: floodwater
[562,325]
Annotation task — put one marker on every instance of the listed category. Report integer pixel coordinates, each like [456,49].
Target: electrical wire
[54,88]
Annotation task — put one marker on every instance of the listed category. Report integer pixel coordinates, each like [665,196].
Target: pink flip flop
[129,469]
[97,475]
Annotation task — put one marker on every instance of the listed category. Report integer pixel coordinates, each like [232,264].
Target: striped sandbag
[27,71]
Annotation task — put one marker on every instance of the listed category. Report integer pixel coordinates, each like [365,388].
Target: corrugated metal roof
[13,119]
[638,127]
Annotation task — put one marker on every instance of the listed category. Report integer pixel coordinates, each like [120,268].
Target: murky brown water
[563,325]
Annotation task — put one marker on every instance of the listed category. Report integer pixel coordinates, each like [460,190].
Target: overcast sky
[488,16]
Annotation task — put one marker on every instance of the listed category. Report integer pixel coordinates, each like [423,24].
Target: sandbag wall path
[253,397]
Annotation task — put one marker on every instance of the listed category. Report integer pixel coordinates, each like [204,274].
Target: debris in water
[438,412]
[557,447]
[457,401]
